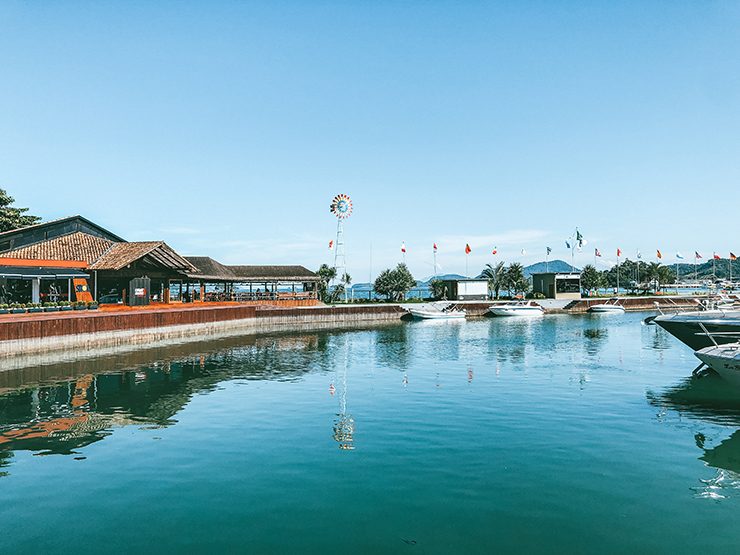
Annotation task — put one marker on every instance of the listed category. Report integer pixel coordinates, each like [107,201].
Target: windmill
[341,207]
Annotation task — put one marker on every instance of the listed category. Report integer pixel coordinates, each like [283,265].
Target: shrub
[50,305]
[92,303]
[80,303]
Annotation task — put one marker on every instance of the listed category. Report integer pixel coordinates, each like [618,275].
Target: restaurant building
[75,259]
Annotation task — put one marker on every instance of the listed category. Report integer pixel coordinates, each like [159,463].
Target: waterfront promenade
[118,326]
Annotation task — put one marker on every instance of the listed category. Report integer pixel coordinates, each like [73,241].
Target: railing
[246,296]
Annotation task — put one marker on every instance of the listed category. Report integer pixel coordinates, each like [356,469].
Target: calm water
[568,434]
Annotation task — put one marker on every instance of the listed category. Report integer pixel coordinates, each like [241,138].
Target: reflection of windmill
[341,207]
[344,425]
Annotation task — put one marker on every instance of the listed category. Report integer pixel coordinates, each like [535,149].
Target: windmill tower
[341,207]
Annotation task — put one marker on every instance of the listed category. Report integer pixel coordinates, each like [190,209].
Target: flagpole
[695,274]
[435,263]
[466,265]
[547,263]
[617,273]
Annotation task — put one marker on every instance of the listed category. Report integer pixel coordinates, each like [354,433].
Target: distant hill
[427,281]
[558,266]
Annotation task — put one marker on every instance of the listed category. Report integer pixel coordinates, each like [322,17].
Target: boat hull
[723,359]
[425,315]
[517,311]
[606,308]
[687,328]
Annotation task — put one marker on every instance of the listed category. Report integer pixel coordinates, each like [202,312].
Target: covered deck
[217,282]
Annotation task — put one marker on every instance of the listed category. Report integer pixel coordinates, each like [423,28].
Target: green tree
[590,278]
[515,279]
[438,288]
[326,274]
[11,217]
[496,276]
[394,284]
[666,275]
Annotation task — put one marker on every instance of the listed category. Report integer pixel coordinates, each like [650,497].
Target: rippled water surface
[565,434]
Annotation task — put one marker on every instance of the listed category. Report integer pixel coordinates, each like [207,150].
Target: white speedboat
[723,359]
[612,306]
[517,308]
[436,311]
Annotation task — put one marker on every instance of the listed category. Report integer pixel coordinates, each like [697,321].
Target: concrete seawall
[64,332]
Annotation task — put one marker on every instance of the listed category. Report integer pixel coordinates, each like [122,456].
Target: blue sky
[226,129]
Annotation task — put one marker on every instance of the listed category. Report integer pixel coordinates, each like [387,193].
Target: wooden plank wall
[28,327]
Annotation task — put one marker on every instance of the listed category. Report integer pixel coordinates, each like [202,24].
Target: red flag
[495,250]
[331,244]
[619,253]
[435,247]
[403,247]
[733,257]
[596,252]
[467,248]
[717,256]
[660,255]
[696,255]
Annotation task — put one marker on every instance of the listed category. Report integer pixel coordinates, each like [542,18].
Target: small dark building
[557,285]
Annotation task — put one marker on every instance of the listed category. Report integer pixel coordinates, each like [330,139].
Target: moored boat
[436,311]
[694,328]
[611,306]
[517,308]
[723,359]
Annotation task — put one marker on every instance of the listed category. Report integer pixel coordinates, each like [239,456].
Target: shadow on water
[714,401]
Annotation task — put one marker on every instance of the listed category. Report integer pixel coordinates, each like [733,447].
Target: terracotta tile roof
[77,246]
[121,254]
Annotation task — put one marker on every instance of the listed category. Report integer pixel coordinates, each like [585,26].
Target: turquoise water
[565,434]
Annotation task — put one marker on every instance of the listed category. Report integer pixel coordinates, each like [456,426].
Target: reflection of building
[557,286]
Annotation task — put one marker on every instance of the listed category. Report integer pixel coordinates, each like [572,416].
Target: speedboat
[612,305]
[716,323]
[436,311]
[723,359]
[517,308]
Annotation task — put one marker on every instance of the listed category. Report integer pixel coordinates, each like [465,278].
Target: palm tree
[496,277]
[653,272]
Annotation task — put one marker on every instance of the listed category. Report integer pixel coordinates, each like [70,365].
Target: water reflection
[344,425]
[711,401]
[58,409]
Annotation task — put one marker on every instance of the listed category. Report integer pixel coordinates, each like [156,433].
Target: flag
[435,247]
[639,254]
[549,250]
[467,248]
[660,255]
[733,257]
[495,250]
[579,237]
[596,252]
[567,244]
[403,247]
[696,255]
[678,255]
[524,252]
[619,253]
[717,256]
[331,244]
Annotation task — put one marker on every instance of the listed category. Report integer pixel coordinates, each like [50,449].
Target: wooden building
[218,282]
[41,262]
